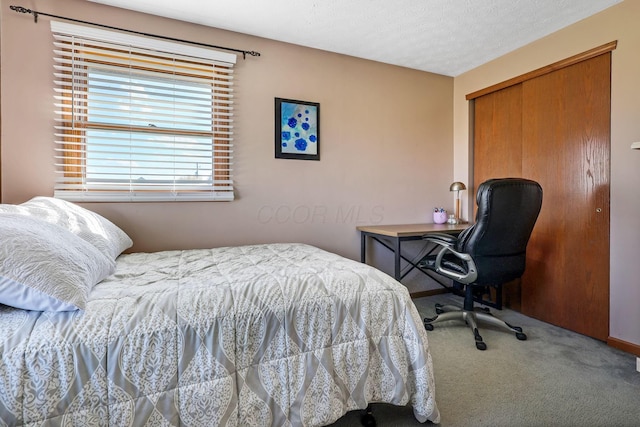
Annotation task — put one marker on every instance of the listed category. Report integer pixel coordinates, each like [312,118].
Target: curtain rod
[35,14]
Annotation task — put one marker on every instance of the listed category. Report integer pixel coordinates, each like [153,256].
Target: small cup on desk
[440,217]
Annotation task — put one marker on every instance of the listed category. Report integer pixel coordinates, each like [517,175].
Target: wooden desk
[399,233]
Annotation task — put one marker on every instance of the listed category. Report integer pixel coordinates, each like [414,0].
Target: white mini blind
[139,119]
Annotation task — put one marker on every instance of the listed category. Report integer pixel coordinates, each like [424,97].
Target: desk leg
[398,255]
[363,247]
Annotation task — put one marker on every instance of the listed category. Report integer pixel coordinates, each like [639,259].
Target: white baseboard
[638,364]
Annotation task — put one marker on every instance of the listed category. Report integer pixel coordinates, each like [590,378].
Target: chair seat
[479,291]
[429,263]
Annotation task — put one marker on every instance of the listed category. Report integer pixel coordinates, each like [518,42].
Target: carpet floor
[554,378]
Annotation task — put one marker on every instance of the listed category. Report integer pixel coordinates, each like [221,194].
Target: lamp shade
[457,186]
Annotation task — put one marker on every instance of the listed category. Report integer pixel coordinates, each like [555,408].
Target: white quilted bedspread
[265,335]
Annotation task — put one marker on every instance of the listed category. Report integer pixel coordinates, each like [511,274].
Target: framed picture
[297,126]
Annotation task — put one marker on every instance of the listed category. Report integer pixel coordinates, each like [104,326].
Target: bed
[261,335]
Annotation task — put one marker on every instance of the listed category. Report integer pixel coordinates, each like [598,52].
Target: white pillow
[44,267]
[88,225]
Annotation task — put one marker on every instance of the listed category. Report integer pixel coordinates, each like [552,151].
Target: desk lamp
[457,187]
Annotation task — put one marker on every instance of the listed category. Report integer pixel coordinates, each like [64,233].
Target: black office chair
[489,253]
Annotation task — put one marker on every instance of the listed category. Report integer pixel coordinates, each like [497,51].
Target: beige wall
[386,131]
[617,23]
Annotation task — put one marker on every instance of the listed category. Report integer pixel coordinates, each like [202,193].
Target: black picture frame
[297,129]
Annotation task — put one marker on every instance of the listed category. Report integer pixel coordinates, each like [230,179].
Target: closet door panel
[566,145]
[497,152]
[497,146]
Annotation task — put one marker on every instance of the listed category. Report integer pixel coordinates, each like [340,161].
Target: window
[139,119]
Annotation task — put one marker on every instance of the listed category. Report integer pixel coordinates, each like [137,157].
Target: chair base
[471,317]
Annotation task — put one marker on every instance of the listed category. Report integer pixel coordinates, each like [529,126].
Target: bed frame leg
[367,419]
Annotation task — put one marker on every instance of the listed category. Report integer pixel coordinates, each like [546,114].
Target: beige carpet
[554,378]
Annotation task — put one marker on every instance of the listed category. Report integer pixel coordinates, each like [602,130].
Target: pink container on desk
[440,217]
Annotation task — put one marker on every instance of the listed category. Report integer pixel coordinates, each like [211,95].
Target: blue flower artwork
[297,129]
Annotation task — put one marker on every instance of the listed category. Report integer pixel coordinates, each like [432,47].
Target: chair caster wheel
[439,310]
[438,305]
[517,328]
[367,420]
[480,345]
[521,336]
[428,326]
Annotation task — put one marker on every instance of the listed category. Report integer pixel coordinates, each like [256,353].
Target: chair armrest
[472,272]
[447,241]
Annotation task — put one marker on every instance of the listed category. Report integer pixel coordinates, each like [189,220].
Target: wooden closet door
[497,148]
[497,153]
[555,129]
[566,148]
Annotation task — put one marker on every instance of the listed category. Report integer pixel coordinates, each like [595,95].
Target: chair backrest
[507,211]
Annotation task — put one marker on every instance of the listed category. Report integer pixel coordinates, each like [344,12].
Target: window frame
[71,151]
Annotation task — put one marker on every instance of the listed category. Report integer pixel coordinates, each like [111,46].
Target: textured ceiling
[441,36]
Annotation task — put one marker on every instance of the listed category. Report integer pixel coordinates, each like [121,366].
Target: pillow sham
[44,267]
[86,224]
